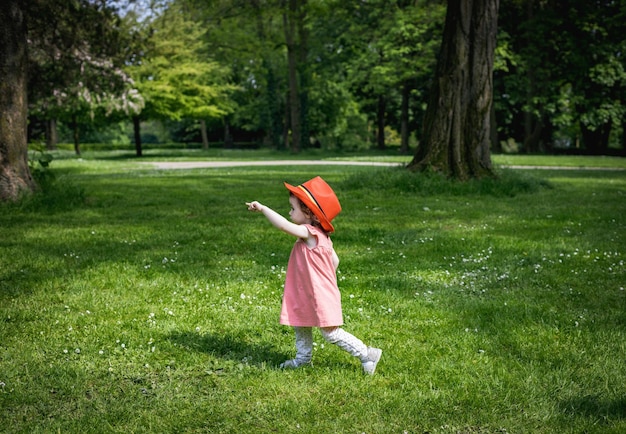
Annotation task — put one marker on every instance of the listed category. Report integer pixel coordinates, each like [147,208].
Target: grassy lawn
[217,154]
[142,300]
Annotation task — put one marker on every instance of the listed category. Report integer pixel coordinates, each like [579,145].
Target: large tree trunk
[456,124]
[137,133]
[15,177]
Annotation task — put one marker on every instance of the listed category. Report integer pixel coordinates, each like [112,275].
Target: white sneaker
[373,357]
[294,364]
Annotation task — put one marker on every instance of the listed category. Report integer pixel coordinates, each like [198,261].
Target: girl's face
[297,215]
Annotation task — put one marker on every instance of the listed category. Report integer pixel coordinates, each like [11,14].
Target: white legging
[337,336]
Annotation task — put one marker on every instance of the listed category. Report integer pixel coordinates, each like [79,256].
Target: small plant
[39,162]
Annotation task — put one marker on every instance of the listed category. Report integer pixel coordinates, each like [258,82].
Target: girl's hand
[254,206]
[281,222]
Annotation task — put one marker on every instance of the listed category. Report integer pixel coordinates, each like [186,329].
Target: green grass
[391,155]
[141,300]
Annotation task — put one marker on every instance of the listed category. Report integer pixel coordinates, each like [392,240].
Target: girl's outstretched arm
[279,221]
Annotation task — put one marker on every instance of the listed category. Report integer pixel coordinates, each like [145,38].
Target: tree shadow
[596,407]
[229,347]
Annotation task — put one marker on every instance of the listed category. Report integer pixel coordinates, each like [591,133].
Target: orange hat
[317,195]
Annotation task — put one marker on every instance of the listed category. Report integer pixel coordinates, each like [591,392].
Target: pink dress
[311,297]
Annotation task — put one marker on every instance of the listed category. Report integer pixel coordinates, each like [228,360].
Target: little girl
[311,296]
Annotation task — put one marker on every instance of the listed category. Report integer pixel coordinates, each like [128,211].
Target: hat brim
[306,198]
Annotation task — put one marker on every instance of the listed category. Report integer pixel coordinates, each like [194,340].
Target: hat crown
[320,198]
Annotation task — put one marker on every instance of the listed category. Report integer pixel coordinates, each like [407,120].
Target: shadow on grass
[597,407]
[229,347]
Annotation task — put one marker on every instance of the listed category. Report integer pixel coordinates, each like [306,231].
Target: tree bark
[457,120]
[15,176]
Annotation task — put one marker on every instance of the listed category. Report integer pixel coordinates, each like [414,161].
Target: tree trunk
[292,61]
[456,124]
[205,138]
[228,138]
[137,132]
[533,129]
[51,134]
[380,119]
[404,118]
[76,135]
[15,177]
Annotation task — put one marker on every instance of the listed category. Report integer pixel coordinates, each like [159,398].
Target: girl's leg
[369,356]
[304,348]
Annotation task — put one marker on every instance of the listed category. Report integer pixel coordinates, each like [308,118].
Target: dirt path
[204,164]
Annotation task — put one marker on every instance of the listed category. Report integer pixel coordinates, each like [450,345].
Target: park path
[205,164]
[216,164]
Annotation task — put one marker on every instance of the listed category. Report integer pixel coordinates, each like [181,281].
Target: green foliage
[153,305]
[113,135]
[565,68]
[76,52]
[175,78]
[558,68]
